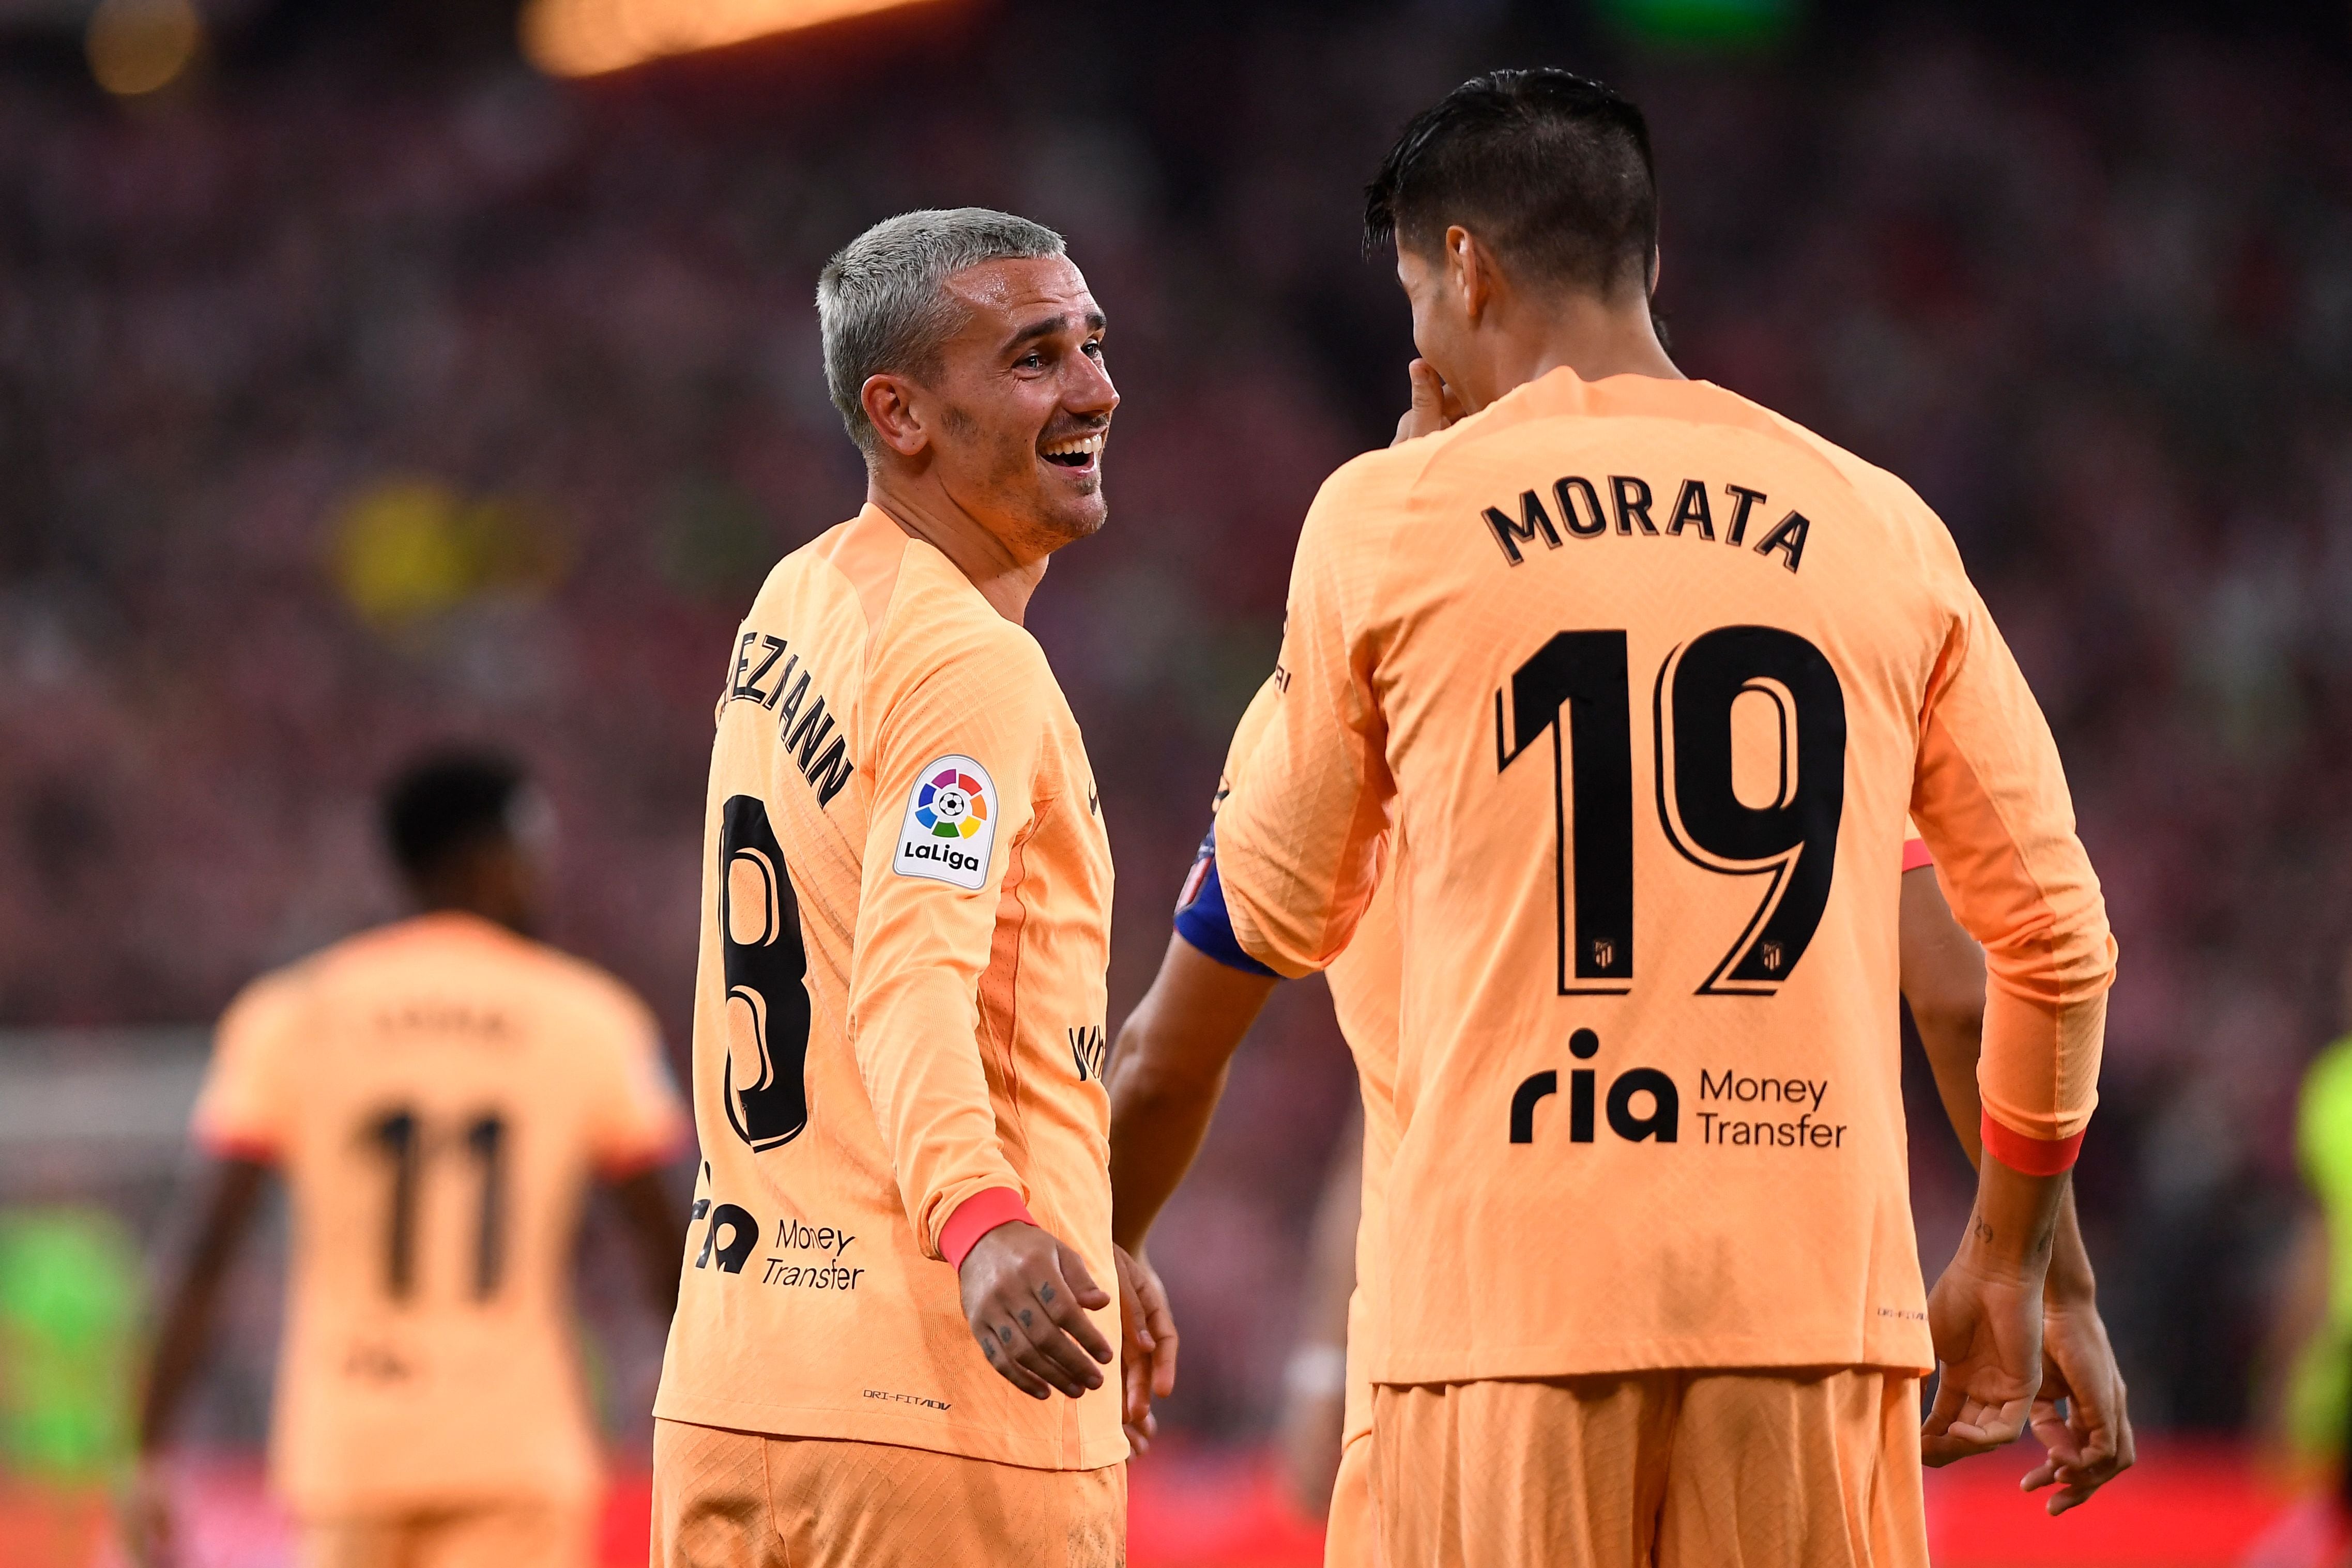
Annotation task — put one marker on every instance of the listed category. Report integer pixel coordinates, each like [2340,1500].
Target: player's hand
[1985,1321]
[2091,1443]
[1026,1296]
[146,1517]
[1147,1359]
[1434,406]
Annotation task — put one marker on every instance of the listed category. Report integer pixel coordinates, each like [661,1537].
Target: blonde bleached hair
[880,305]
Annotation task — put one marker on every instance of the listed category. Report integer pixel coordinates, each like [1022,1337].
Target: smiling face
[1021,403]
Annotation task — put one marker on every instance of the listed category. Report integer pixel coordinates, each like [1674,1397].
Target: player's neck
[506,920]
[1595,337]
[926,512]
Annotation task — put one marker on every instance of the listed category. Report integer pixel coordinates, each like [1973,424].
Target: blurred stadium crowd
[346,406]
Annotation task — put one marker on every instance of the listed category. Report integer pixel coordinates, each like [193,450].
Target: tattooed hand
[1026,1295]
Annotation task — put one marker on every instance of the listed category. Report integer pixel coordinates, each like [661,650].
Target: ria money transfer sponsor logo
[950,824]
[803,1256]
[1644,1105]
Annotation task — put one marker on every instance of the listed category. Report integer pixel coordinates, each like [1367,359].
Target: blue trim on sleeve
[1201,918]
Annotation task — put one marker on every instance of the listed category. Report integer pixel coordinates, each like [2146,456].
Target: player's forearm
[659,1236]
[2070,1277]
[1160,1106]
[2013,1229]
[230,1197]
[172,1367]
[1167,1073]
[916,1038]
[1952,1054]
[1990,797]
[1953,1039]
[1942,977]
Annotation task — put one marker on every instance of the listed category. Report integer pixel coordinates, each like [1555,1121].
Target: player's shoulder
[795,565]
[1880,486]
[855,561]
[357,958]
[940,623]
[270,997]
[1375,487]
[583,984]
[1877,495]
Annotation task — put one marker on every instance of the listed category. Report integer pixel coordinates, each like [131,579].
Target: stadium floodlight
[136,46]
[588,37]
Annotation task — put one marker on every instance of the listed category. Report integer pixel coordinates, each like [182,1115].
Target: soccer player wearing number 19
[1643,677]
[888,1348]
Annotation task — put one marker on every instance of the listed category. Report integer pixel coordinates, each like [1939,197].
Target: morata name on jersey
[802,725]
[1628,512]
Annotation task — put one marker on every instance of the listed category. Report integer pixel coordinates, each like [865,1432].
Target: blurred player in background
[899,1021]
[2310,1397]
[1648,1197]
[437,1096]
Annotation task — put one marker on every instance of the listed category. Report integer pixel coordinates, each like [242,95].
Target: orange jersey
[1363,981]
[1364,994]
[898,1020]
[436,1094]
[1642,679]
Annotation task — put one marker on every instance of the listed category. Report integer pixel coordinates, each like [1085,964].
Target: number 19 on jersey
[1791,837]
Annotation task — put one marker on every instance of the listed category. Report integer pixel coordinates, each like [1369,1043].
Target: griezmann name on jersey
[899,1009]
[1641,679]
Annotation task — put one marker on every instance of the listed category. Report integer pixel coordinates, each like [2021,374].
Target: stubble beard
[1014,483]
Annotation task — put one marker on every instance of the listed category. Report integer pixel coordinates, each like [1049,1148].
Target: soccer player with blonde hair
[890,1341]
[1634,683]
[437,1096]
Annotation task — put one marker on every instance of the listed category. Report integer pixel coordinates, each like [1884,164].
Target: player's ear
[889,407]
[1469,272]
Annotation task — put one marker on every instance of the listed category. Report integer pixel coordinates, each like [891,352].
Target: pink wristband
[250,1148]
[977,1214]
[2028,1156]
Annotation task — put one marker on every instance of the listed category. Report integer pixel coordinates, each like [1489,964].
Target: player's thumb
[1428,390]
[1082,1289]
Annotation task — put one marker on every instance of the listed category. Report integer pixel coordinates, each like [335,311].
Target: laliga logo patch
[950,824]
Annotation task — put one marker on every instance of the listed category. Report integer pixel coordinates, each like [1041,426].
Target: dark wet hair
[1551,171]
[449,802]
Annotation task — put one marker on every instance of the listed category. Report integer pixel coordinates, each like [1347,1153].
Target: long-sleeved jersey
[1641,679]
[899,1015]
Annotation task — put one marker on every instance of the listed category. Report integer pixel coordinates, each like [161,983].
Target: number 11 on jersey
[1789,835]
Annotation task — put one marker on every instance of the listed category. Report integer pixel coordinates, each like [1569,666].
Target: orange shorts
[1351,1539]
[742,1499]
[497,1535]
[1677,1470]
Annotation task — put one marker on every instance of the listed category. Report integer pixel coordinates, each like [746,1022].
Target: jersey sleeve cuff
[1916,856]
[251,1147]
[650,1156]
[977,1214]
[2028,1156]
